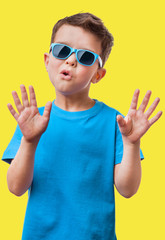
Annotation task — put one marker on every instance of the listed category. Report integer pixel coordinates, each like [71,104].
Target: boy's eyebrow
[78,48]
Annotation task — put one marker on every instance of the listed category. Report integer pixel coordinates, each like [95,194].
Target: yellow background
[137,61]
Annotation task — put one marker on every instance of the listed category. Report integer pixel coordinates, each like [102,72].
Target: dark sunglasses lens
[85,57]
[61,51]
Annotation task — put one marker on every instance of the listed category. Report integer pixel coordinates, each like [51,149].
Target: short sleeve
[119,145]
[13,146]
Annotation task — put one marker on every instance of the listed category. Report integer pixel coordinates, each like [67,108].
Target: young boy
[70,153]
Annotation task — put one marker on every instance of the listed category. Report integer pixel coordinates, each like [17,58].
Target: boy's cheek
[85,71]
[54,61]
[53,67]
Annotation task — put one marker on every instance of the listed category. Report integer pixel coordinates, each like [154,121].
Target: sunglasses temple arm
[50,49]
[100,61]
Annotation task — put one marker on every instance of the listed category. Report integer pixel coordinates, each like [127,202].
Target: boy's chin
[67,93]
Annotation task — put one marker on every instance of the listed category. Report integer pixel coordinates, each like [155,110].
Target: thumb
[125,125]
[121,121]
[47,109]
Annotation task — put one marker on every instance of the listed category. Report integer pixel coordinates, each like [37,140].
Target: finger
[135,99]
[155,118]
[25,100]
[12,111]
[33,101]
[152,107]
[47,109]
[145,101]
[17,102]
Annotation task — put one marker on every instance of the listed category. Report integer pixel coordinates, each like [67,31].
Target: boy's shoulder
[110,110]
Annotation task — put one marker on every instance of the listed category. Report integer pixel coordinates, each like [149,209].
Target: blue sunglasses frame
[73,50]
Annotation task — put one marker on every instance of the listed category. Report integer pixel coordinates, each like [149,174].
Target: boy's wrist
[31,144]
[128,143]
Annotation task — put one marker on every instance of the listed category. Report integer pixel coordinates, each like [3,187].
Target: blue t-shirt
[72,192]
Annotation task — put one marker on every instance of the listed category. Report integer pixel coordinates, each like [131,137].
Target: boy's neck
[74,103]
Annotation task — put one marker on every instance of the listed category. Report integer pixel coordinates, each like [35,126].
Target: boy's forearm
[20,172]
[128,177]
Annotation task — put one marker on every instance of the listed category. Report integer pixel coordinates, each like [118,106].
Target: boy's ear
[99,75]
[46,60]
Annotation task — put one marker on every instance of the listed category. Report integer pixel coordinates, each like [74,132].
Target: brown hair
[90,23]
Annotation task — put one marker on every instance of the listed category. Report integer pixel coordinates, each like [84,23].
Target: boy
[70,154]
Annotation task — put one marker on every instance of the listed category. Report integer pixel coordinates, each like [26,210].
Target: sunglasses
[84,57]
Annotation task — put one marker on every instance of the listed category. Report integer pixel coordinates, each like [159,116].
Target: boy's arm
[127,174]
[20,172]
[32,125]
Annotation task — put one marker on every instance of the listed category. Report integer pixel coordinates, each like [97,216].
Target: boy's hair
[94,25]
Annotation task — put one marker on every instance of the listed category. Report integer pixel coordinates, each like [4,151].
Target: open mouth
[66,74]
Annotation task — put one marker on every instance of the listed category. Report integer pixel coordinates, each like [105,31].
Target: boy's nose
[71,60]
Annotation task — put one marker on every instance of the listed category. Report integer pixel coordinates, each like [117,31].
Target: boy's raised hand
[137,122]
[31,123]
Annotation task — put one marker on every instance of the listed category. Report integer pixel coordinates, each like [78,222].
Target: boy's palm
[31,123]
[137,122]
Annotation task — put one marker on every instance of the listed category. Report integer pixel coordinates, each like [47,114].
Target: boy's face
[80,76]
